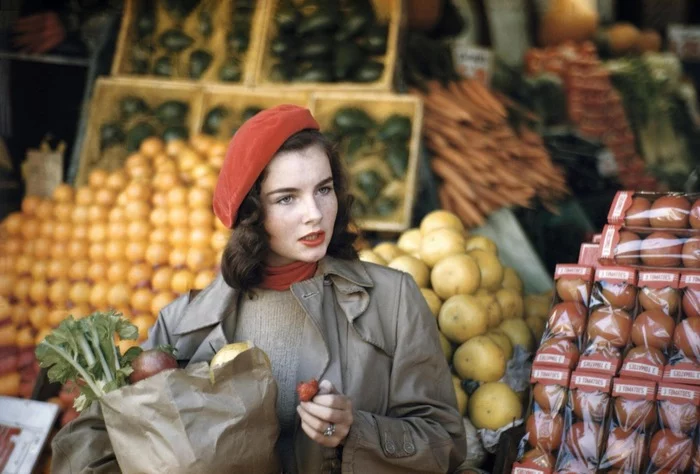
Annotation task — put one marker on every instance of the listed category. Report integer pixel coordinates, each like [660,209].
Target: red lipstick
[314,239]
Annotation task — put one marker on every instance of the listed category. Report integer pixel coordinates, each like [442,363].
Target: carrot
[489,98]
[451,175]
[466,208]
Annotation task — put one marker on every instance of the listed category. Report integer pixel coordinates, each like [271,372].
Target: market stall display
[378,137]
[329,45]
[189,40]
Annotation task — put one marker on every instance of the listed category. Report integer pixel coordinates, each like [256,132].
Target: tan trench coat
[372,336]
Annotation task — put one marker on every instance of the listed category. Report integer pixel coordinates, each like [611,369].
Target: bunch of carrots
[484,163]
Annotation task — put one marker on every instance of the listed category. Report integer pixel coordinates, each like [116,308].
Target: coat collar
[209,306]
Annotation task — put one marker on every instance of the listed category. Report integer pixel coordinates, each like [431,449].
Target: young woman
[291,282]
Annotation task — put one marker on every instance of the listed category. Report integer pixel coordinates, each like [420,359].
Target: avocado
[111,133]
[396,127]
[138,133]
[374,41]
[369,72]
[163,66]
[131,105]
[231,71]
[347,56]
[250,112]
[370,183]
[397,158]
[317,47]
[176,132]
[200,60]
[213,119]
[174,40]
[321,20]
[172,112]
[237,41]
[352,120]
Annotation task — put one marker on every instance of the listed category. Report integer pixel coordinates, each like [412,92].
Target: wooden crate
[237,99]
[104,108]
[380,106]
[122,64]
[389,11]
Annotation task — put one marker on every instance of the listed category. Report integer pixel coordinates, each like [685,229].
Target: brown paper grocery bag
[178,421]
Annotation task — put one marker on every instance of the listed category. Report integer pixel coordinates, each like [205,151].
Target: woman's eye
[285,200]
[325,190]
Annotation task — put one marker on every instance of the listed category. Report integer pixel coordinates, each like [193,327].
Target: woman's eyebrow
[291,190]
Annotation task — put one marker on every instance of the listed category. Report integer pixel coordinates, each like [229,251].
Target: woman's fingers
[328,414]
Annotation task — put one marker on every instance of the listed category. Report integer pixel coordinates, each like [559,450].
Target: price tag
[472,61]
[684,41]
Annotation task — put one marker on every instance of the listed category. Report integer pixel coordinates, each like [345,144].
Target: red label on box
[659,279]
[601,363]
[690,280]
[685,372]
[590,382]
[549,375]
[609,240]
[634,389]
[642,370]
[529,467]
[616,275]
[678,393]
[588,254]
[573,272]
[620,204]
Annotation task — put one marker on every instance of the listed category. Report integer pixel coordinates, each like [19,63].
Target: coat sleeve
[422,430]
[83,445]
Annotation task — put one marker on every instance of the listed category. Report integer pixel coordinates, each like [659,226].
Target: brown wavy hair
[245,254]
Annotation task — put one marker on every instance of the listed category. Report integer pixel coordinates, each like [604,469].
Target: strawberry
[307,390]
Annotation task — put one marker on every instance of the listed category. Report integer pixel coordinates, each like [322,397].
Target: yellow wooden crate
[237,99]
[380,106]
[221,15]
[104,107]
[389,11]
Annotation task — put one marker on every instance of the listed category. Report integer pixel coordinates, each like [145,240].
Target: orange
[136,251]
[62,231]
[161,300]
[46,229]
[29,205]
[97,178]
[179,237]
[141,300]
[97,271]
[138,230]
[177,257]
[117,214]
[12,246]
[203,279]
[7,283]
[139,275]
[151,146]
[116,180]
[177,196]
[199,197]
[30,228]
[79,270]
[63,211]
[118,271]
[80,311]
[24,264]
[58,269]
[143,322]
[162,279]
[199,259]
[38,291]
[98,295]
[13,223]
[137,210]
[20,314]
[117,230]
[40,269]
[201,218]
[44,209]
[216,161]
[80,232]
[105,197]
[207,181]
[200,237]
[219,239]
[63,193]
[85,196]
[115,250]
[126,344]
[39,316]
[135,160]
[182,281]
[178,216]
[96,252]
[174,147]
[160,199]
[79,293]
[119,295]
[25,337]
[77,249]
[140,172]
[57,316]
[166,179]
[59,250]
[157,253]
[41,335]
[42,248]
[159,235]
[97,213]
[58,292]
[159,217]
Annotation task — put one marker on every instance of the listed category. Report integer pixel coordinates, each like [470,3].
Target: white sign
[472,61]
[684,40]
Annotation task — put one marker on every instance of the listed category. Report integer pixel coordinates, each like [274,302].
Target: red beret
[249,152]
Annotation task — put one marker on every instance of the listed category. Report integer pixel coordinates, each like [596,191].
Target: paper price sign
[472,61]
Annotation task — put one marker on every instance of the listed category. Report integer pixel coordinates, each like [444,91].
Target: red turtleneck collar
[281,278]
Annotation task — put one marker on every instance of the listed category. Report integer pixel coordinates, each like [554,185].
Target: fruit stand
[528,345]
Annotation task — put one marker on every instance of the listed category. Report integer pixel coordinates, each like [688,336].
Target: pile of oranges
[131,239]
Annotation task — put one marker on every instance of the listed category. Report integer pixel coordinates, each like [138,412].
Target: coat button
[409,448]
[389,447]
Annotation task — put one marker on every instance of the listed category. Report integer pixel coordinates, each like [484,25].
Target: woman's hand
[328,417]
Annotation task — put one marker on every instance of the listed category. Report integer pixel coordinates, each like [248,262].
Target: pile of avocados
[137,121]
[376,154]
[173,52]
[327,41]
[221,121]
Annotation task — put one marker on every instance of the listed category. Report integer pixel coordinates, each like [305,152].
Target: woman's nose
[312,211]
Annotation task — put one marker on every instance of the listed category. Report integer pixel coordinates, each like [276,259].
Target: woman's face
[300,205]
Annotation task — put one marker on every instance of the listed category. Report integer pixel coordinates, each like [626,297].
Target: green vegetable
[176,132]
[282,72]
[212,122]
[375,40]
[231,71]
[351,120]
[282,45]
[163,66]
[385,206]
[369,72]
[83,351]
[354,24]
[146,21]
[172,112]
[370,183]
[287,17]
[347,57]
[397,157]
[131,105]
[250,112]
[138,133]
[317,47]
[318,72]
[110,134]
[200,60]
[180,9]
[237,41]
[175,40]
[319,21]
[396,127]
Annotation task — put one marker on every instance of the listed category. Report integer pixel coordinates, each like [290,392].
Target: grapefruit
[511,280]
[414,267]
[519,333]
[441,243]
[410,241]
[511,303]
[439,219]
[462,317]
[493,406]
[480,359]
[480,242]
[456,274]
[490,268]
[433,300]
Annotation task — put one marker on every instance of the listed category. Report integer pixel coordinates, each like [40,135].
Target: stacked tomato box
[624,324]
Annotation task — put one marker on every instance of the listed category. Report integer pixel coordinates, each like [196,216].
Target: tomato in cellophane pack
[684,361]
[652,210]
[612,308]
[651,337]
[672,447]
[538,449]
[630,424]
[563,335]
[584,416]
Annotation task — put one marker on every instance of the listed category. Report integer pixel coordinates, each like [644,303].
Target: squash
[567,20]
[622,38]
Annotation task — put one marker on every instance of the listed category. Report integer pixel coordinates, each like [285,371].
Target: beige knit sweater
[274,321]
